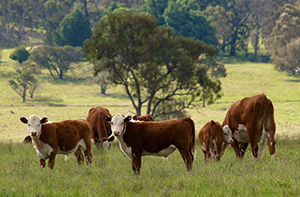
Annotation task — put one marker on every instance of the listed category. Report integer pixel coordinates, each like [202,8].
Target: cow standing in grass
[63,137]
[252,121]
[157,138]
[212,138]
[100,127]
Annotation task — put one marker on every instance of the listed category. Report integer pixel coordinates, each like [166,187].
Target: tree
[73,30]
[284,39]
[189,21]
[220,20]
[156,8]
[155,66]
[26,79]
[20,54]
[57,59]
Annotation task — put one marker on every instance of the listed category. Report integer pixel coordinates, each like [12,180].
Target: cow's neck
[126,148]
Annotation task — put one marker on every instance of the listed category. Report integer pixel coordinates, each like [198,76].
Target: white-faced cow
[212,138]
[252,121]
[100,126]
[62,137]
[140,138]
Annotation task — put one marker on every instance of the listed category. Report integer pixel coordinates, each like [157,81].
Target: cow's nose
[116,132]
[33,134]
[231,141]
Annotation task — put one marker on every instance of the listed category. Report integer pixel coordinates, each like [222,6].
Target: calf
[212,138]
[252,121]
[100,127]
[140,138]
[62,137]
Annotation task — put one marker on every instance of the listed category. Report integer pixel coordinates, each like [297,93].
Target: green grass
[111,174]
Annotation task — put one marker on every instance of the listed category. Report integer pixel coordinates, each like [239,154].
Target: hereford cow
[252,121]
[147,117]
[100,126]
[62,137]
[140,138]
[212,137]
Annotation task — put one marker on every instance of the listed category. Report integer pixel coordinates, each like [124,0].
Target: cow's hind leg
[79,156]
[88,150]
[187,158]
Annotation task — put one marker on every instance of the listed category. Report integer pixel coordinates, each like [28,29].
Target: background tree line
[231,26]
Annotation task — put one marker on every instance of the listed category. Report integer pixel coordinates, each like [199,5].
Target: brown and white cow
[141,138]
[63,137]
[212,138]
[100,126]
[252,121]
[147,117]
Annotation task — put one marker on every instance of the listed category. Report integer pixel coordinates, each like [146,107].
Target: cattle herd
[249,120]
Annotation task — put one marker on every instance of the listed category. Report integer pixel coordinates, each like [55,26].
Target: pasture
[111,174]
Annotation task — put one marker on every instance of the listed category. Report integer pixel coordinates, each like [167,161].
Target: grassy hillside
[72,98]
[111,174]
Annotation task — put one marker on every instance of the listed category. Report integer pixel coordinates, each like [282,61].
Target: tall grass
[111,174]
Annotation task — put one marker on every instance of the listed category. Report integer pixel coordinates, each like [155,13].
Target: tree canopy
[56,59]
[155,66]
[20,54]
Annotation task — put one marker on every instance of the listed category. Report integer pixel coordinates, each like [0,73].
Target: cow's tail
[192,145]
[269,125]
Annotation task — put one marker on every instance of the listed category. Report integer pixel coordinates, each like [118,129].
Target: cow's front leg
[52,159]
[42,163]
[136,163]
[236,148]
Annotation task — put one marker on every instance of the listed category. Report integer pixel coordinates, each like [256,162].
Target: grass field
[111,174]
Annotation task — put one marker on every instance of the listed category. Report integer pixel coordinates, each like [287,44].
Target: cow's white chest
[124,148]
[43,150]
[241,134]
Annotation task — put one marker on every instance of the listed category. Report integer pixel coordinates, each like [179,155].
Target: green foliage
[57,59]
[285,39]
[20,54]
[27,79]
[150,62]
[73,30]
[156,8]
[187,20]
[120,7]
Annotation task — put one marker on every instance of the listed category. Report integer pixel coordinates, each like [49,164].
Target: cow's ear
[212,123]
[134,117]
[44,120]
[107,117]
[24,120]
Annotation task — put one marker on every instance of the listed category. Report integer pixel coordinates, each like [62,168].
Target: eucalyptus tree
[56,59]
[156,67]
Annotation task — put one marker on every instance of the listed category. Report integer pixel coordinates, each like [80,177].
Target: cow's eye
[225,133]
[29,125]
[111,123]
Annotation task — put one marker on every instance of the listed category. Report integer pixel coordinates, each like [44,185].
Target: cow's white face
[227,137]
[117,124]
[34,124]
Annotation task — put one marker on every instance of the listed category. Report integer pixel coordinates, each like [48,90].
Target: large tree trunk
[256,43]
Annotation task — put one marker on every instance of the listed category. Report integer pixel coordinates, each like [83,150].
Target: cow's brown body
[147,117]
[251,120]
[100,126]
[62,137]
[212,140]
[162,138]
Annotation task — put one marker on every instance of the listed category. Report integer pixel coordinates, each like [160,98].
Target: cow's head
[34,124]
[118,123]
[227,137]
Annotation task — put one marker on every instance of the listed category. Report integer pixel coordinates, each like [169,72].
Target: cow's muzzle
[33,134]
[117,133]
